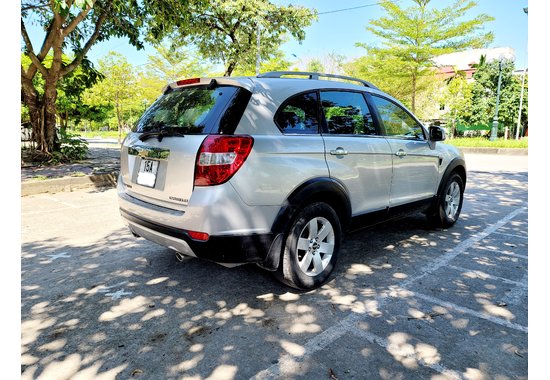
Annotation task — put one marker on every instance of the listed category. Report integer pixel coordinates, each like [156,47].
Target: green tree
[484,93]
[457,98]
[411,37]
[117,89]
[69,25]
[277,62]
[315,65]
[226,31]
[172,63]
[69,88]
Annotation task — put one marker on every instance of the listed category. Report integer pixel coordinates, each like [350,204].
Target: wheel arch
[321,189]
[457,165]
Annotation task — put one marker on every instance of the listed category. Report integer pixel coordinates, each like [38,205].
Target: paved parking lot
[405,302]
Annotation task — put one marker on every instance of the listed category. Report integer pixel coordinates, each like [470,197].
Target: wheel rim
[452,200]
[315,246]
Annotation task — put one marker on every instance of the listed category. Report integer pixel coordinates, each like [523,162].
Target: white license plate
[147,174]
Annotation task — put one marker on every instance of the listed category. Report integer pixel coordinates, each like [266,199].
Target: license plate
[147,174]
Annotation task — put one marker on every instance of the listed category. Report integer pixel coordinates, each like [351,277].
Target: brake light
[220,157]
[183,82]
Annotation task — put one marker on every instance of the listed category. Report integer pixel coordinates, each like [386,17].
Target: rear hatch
[158,158]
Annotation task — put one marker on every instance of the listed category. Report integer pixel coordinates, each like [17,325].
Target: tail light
[220,157]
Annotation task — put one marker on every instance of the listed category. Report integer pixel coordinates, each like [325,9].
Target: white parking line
[317,343]
[515,295]
[483,276]
[474,313]
[70,205]
[461,248]
[72,208]
[334,332]
[512,235]
[382,342]
[496,251]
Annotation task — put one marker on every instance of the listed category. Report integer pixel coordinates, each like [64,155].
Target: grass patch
[483,142]
[101,134]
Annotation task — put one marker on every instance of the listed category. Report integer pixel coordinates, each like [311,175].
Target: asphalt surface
[405,301]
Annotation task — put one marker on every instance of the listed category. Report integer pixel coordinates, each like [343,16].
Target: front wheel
[311,247]
[449,202]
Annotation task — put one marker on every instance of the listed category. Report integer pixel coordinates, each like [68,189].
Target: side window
[397,121]
[299,115]
[347,113]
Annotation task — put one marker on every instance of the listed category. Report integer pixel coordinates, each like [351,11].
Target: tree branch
[80,56]
[27,7]
[72,25]
[30,52]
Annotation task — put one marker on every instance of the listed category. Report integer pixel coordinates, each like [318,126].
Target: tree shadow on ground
[125,307]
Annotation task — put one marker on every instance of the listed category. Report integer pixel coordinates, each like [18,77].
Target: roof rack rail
[312,75]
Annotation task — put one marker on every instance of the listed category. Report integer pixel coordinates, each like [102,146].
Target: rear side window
[299,115]
[347,113]
[397,121]
[190,110]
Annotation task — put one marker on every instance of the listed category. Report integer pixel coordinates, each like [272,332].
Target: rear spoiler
[210,82]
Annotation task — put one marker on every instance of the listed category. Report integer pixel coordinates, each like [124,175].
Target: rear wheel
[311,247]
[449,205]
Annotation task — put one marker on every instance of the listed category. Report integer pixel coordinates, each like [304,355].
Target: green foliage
[69,26]
[412,37]
[481,108]
[73,148]
[171,63]
[277,62]
[118,89]
[315,65]
[483,142]
[225,31]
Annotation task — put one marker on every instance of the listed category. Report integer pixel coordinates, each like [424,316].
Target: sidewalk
[100,169]
[102,166]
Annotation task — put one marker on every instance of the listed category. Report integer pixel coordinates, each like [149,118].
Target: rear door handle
[400,153]
[339,151]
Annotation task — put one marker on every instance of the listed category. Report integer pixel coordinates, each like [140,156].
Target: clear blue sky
[338,32]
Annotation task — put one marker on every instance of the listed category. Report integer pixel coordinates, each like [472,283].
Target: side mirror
[437,133]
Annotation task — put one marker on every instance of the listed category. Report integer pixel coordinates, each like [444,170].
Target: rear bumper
[237,249]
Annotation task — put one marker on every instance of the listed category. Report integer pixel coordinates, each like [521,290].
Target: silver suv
[273,169]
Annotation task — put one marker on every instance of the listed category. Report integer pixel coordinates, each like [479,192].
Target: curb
[502,151]
[56,185]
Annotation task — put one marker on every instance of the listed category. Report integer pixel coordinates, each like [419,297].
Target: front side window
[347,113]
[299,115]
[397,121]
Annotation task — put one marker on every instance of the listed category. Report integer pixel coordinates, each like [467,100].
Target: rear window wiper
[161,133]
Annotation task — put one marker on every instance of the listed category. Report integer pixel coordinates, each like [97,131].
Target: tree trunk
[32,100]
[50,116]
[230,69]
[119,120]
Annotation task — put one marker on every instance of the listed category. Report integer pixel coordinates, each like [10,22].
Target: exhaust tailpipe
[179,256]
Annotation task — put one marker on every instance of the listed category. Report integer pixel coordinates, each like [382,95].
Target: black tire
[449,203]
[312,243]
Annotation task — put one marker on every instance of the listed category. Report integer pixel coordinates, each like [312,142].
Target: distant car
[274,169]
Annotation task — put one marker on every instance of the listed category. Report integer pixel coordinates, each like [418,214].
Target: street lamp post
[520,104]
[494,130]
[258,47]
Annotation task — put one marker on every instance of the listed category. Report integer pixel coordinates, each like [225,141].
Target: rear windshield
[190,110]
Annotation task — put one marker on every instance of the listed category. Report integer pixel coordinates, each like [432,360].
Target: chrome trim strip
[149,152]
[150,206]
